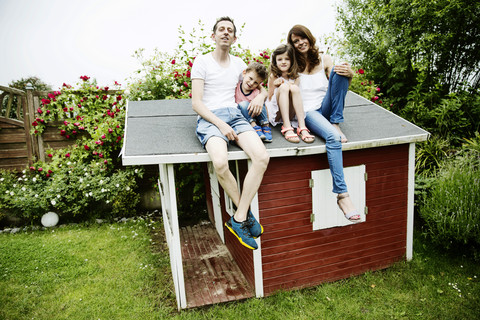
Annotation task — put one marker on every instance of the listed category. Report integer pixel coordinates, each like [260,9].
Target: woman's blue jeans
[261,119]
[320,123]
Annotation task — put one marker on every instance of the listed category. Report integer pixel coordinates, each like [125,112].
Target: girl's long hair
[281,49]
[313,51]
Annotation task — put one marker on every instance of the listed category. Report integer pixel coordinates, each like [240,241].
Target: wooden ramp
[211,274]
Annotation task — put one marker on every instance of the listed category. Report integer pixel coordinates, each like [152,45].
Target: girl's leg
[283,100]
[298,107]
[334,101]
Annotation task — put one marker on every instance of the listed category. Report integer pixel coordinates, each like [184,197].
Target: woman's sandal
[353,216]
[293,137]
[306,136]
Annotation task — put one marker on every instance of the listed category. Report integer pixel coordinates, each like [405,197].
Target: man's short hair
[225,19]
[259,69]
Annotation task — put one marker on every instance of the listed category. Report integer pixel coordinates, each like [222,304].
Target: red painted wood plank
[326,236]
[327,255]
[319,278]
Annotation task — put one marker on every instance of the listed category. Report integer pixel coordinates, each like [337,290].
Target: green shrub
[452,211]
[85,179]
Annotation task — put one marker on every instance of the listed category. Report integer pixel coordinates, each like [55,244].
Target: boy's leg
[243,107]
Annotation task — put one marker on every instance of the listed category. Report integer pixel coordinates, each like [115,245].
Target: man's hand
[228,131]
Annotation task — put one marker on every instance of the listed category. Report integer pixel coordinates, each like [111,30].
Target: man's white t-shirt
[219,82]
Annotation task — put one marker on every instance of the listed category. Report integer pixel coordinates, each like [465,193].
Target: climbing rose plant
[86,178]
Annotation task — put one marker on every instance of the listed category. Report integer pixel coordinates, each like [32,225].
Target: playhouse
[307,241]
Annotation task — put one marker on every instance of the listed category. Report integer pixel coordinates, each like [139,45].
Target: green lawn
[122,271]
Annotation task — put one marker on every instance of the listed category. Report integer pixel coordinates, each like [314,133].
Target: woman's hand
[343,69]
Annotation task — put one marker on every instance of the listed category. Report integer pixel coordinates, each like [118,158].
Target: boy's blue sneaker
[267,132]
[259,131]
[241,231]
[255,228]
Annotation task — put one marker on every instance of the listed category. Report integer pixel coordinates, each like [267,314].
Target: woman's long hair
[313,51]
[281,49]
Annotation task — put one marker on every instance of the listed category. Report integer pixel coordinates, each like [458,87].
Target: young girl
[284,99]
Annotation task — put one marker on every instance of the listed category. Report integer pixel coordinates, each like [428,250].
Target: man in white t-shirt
[214,79]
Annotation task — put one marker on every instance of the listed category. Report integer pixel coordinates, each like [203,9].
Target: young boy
[247,89]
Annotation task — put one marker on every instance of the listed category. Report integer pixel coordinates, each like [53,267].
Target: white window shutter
[326,213]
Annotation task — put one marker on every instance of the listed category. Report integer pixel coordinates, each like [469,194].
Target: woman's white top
[313,88]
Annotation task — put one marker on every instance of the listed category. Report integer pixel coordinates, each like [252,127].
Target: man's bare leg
[255,149]
[217,150]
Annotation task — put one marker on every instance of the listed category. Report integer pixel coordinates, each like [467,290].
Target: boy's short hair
[226,18]
[259,69]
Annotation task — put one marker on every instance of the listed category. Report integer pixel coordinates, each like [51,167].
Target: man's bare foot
[346,205]
[343,137]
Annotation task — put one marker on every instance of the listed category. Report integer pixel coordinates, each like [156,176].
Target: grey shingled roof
[163,131]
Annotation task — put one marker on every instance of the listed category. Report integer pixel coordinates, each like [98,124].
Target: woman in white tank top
[323,87]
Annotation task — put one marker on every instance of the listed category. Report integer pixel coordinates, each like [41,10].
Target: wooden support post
[29,116]
[172,230]
[410,200]
[257,254]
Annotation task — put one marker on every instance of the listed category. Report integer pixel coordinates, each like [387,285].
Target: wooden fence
[18,148]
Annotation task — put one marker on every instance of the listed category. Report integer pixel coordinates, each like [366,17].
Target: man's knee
[261,160]
[220,164]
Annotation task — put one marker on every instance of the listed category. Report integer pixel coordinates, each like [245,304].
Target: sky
[61,40]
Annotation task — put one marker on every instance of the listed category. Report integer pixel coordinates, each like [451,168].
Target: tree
[420,45]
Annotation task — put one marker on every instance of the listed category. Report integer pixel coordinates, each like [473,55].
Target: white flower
[86,174]
[69,163]
[34,179]
[86,195]
[117,185]
[136,170]
[14,185]
[127,188]
[149,92]
[90,193]
[53,202]
[101,181]
[103,190]
[23,188]
[127,91]
[81,180]
[139,99]
[158,77]
[23,171]
[1,179]
[70,172]
[36,196]
[108,201]
[58,196]
[19,179]
[12,193]
[84,169]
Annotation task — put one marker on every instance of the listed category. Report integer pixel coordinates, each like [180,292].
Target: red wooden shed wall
[294,256]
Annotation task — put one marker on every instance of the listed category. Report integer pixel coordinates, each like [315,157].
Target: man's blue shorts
[232,116]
